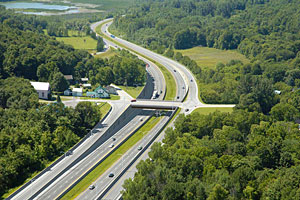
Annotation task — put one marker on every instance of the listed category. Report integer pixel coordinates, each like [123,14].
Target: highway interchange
[60,177]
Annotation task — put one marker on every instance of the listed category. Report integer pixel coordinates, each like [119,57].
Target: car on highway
[177,97]
[191,80]
[140,148]
[133,100]
[182,87]
[111,175]
[111,146]
[187,110]
[92,187]
[113,139]
[174,70]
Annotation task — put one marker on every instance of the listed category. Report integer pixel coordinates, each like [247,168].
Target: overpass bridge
[171,105]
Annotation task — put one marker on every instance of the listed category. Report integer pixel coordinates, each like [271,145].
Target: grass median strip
[108,162]
[170,82]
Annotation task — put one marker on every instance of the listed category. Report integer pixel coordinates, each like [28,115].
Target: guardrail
[135,158]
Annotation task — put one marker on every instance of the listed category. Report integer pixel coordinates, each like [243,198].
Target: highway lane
[76,171]
[98,130]
[104,181]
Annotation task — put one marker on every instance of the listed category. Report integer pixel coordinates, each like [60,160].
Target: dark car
[187,110]
[133,100]
[177,97]
[111,175]
[113,139]
[174,70]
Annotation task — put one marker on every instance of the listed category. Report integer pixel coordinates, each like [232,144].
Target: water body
[34,5]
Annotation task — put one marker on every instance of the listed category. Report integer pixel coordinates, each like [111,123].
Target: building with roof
[99,92]
[69,78]
[84,80]
[111,90]
[43,89]
[68,92]
[87,85]
[77,92]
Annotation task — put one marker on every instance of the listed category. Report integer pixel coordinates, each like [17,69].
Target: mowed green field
[206,111]
[209,57]
[85,42]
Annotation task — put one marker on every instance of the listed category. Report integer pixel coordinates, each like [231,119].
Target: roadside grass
[170,82]
[206,111]
[109,161]
[209,57]
[108,54]
[132,91]
[104,108]
[112,97]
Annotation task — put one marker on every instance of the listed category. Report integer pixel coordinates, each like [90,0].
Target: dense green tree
[59,83]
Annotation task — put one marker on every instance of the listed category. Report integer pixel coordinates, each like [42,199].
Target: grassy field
[110,53]
[85,42]
[209,57]
[108,162]
[206,111]
[132,91]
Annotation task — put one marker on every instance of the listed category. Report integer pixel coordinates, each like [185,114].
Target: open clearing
[209,57]
[85,42]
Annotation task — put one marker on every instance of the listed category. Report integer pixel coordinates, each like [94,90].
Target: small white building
[87,85]
[77,92]
[42,88]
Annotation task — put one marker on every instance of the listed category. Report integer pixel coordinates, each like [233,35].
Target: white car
[111,146]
